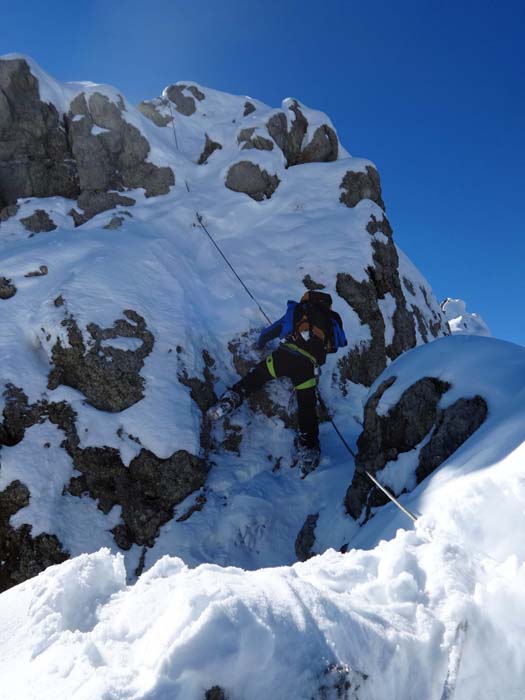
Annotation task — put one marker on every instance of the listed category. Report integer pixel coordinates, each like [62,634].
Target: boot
[226,404]
[307,457]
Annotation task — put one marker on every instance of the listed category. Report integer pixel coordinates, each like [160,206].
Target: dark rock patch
[414,417]
[41,272]
[148,490]
[306,538]
[21,555]
[7,212]
[209,148]
[248,140]
[215,693]
[114,223]
[454,426]
[341,682]
[408,284]
[183,103]
[35,155]
[249,178]
[38,222]
[249,108]
[363,364]
[323,147]
[111,153]
[108,376]
[93,203]
[311,284]
[358,185]
[149,110]
[7,288]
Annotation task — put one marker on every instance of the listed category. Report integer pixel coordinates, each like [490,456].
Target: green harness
[309,383]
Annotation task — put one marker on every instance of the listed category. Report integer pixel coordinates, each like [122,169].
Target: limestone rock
[7,212]
[35,157]
[111,153]
[249,108]
[93,203]
[209,148]
[322,148]
[184,104]
[149,109]
[107,375]
[7,289]
[358,185]
[306,538]
[248,140]
[251,179]
[406,425]
[38,222]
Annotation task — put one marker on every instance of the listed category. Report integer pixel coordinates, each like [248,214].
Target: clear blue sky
[432,92]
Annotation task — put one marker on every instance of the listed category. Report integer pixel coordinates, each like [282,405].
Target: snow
[461,322]
[232,601]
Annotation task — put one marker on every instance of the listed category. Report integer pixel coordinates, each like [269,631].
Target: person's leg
[307,416]
[256,379]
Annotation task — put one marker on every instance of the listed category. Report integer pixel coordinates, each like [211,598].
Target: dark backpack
[313,321]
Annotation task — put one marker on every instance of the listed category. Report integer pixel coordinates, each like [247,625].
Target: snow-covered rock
[138,324]
[460,321]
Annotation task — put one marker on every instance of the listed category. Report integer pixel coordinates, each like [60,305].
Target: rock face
[7,289]
[209,147]
[111,153]
[184,103]
[323,147]
[363,364]
[147,490]
[406,425]
[306,538]
[89,151]
[251,179]
[38,222]
[35,154]
[109,376]
[358,185]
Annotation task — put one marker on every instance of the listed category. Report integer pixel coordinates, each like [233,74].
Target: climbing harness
[310,382]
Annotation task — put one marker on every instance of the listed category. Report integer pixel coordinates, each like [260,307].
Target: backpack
[313,321]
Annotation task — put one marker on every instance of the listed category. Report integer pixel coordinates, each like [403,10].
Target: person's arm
[269,333]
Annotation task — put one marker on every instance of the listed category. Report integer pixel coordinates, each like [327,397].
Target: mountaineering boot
[306,456]
[226,404]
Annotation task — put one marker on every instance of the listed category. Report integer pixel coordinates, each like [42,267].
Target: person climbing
[308,331]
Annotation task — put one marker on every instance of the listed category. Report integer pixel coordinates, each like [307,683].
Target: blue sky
[432,92]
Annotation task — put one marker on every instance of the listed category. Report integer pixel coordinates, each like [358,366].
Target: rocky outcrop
[7,212]
[111,154]
[35,153]
[21,555]
[38,222]
[107,375]
[415,417]
[248,140]
[7,288]
[147,490]
[215,693]
[453,426]
[149,109]
[322,148]
[364,363]
[306,538]
[184,104]
[249,108]
[251,179]
[209,148]
[358,185]
[93,203]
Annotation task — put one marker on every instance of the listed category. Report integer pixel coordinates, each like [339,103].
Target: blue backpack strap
[340,340]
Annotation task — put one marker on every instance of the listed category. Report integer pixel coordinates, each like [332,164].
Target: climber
[308,331]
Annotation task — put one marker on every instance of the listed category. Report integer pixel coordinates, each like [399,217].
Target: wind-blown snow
[462,322]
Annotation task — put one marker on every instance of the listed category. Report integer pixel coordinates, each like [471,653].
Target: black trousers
[299,369]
